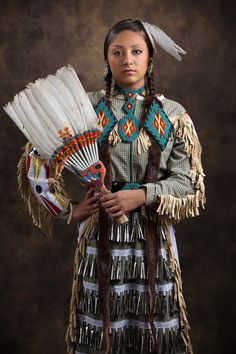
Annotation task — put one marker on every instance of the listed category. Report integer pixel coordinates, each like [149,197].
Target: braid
[104,252]
[151,86]
[108,87]
[151,90]
[151,246]
[104,249]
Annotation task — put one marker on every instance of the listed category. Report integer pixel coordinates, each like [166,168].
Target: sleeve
[182,192]
[42,188]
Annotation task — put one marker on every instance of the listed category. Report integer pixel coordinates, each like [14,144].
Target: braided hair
[151,246]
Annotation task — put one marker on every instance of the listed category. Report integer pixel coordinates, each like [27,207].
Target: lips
[127,71]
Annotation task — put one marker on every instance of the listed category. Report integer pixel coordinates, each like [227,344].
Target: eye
[117,53]
[138,51]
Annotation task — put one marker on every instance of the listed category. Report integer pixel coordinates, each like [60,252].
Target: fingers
[89,193]
[109,203]
[93,206]
[113,209]
[91,196]
[117,214]
[107,197]
[93,211]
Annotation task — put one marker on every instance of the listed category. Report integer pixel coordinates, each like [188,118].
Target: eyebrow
[121,46]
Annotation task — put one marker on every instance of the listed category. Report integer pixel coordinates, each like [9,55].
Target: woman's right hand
[87,206]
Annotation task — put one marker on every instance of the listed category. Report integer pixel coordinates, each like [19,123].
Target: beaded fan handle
[93,177]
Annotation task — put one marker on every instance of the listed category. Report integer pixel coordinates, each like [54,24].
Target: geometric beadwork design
[131,185]
[158,124]
[129,106]
[128,128]
[106,119]
[126,92]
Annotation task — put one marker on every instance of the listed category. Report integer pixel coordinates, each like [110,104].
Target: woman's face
[128,59]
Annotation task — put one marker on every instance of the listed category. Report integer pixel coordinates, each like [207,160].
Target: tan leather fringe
[40,215]
[143,139]
[178,292]
[172,209]
[83,241]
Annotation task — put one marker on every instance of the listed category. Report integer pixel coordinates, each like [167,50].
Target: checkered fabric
[127,165]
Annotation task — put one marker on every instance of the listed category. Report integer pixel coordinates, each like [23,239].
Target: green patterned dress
[179,190]
[129,326]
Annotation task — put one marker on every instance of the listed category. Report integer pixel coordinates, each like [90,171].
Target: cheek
[114,66]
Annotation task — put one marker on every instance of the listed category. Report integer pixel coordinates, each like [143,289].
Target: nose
[127,59]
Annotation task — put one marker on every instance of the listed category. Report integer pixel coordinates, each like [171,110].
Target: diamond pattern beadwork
[106,119]
[128,128]
[158,124]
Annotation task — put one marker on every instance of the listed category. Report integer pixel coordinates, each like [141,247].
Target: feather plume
[56,116]
[156,35]
[53,109]
[70,79]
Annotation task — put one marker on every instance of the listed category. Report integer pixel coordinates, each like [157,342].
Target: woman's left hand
[121,202]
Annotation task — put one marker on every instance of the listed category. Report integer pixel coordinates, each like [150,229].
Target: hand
[87,206]
[120,203]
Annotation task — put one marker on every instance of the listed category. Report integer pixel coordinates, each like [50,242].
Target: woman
[127,292]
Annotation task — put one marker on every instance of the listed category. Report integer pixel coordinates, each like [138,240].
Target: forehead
[127,39]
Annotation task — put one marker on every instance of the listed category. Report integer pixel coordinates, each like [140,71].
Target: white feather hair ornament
[157,36]
[57,117]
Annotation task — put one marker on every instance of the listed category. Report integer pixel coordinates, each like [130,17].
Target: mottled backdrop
[37,37]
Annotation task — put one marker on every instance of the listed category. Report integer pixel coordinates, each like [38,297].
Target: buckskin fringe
[185,129]
[178,292]
[143,139]
[84,239]
[173,209]
[41,217]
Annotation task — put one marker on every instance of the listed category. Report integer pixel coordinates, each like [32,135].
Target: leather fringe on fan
[41,217]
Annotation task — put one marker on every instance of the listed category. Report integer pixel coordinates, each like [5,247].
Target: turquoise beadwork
[156,123]
[128,126]
[106,119]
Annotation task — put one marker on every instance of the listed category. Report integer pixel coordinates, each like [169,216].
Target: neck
[125,90]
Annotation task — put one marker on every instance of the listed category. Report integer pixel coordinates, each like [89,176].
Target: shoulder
[95,96]
[179,118]
[171,107]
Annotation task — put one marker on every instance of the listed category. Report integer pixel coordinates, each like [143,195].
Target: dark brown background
[37,37]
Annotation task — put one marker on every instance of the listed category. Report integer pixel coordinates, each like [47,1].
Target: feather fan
[57,117]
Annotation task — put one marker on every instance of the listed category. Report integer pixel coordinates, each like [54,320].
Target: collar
[127,92]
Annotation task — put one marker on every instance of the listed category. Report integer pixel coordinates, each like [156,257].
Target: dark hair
[135,26]
[129,24]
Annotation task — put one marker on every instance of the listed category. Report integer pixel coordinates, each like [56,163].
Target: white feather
[70,108]
[25,121]
[68,75]
[12,113]
[156,35]
[37,130]
[43,120]
[50,105]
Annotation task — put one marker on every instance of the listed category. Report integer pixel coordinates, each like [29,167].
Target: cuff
[152,192]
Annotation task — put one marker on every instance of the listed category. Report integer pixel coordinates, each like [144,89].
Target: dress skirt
[129,326]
